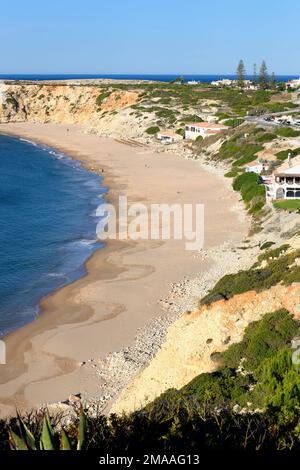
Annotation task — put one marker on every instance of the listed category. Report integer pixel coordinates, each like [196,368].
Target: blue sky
[153,36]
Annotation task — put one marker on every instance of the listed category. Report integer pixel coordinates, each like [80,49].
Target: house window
[193,129]
[290,194]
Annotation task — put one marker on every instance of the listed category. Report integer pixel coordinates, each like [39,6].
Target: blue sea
[48,203]
[205,78]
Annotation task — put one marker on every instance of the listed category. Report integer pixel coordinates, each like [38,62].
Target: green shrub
[152,130]
[261,339]
[257,207]
[266,245]
[245,179]
[276,107]
[244,160]
[250,191]
[241,152]
[190,118]
[232,173]
[233,122]
[275,253]
[281,270]
[253,193]
[283,154]
[102,97]
[287,132]
[267,378]
[219,388]
[222,116]
[268,137]
[278,386]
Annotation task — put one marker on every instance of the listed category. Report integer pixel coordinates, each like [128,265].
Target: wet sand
[125,282]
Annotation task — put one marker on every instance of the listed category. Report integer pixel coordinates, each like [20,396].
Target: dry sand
[126,281]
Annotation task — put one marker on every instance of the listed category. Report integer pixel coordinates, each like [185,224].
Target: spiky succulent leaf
[47,437]
[26,434]
[17,443]
[65,442]
[81,429]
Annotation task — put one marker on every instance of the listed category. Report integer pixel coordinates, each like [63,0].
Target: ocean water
[47,225]
[206,78]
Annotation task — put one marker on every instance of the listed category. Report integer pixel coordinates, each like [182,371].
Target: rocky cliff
[62,103]
[194,337]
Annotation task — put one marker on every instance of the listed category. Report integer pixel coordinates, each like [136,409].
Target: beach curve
[126,283]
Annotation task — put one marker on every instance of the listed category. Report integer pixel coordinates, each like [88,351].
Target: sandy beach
[127,282]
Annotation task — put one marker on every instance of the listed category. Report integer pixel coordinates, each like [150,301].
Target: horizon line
[138,73]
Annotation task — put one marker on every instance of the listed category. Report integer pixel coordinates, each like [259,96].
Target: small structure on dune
[256,167]
[168,136]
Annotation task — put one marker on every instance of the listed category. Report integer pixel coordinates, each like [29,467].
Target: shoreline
[72,312]
[77,270]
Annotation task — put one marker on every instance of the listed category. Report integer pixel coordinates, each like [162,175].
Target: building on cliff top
[285,181]
[203,129]
[293,84]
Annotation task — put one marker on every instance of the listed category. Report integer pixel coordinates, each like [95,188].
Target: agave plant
[47,441]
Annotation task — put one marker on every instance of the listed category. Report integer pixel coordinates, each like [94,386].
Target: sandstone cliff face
[55,103]
[194,337]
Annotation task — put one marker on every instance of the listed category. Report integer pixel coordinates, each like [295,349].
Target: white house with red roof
[203,129]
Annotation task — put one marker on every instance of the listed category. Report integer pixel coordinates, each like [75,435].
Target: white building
[256,167]
[192,82]
[285,181]
[168,136]
[224,82]
[203,129]
[293,84]
[248,84]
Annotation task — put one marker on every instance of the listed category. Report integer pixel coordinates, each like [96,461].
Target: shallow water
[47,225]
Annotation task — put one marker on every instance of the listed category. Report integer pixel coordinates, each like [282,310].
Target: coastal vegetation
[266,245]
[279,267]
[233,122]
[244,144]
[172,102]
[101,97]
[287,132]
[283,154]
[252,191]
[152,130]
[250,402]
[243,377]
